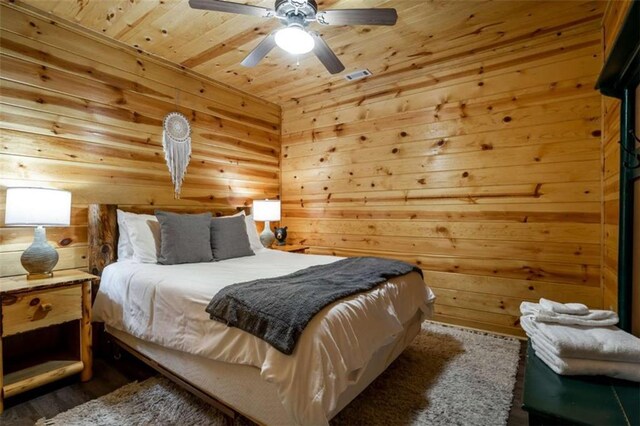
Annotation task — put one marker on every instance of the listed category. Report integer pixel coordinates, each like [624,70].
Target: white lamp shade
[37,206]
[266,210]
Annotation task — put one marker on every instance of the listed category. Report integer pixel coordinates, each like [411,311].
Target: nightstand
[29,305]
[291,248]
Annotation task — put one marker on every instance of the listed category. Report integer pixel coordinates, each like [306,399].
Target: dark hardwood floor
[49,400]
[110,374]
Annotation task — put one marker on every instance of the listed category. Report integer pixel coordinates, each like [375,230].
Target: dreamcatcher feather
[176,140]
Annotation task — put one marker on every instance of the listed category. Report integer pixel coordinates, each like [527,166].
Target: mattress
[165,305]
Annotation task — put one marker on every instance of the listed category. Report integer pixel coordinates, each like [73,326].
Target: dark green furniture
[551,399]
[619,78]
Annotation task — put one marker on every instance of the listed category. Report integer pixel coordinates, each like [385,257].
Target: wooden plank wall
[84,113]
[612,21]
[482,166]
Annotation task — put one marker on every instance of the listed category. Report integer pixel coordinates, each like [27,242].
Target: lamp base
[267,237]
[31,276]
[40,258]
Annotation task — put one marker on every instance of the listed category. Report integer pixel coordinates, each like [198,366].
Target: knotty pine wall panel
[615,13]
[83,113]
[482,166]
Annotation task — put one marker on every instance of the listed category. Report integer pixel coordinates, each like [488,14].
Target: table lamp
[38,207]
[266,210]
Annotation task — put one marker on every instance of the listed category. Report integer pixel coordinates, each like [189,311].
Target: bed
[158,313]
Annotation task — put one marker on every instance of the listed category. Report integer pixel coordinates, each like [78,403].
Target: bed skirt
[241,388]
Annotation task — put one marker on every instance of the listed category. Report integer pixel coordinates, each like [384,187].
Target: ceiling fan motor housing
[296,11]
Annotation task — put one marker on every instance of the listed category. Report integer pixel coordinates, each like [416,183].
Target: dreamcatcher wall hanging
[176,140]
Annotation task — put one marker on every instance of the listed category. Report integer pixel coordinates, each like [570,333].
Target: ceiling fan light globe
[294,40]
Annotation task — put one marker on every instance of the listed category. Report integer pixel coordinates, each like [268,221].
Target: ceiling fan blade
[358,17]
[260,51]
[326,55]
[231,7]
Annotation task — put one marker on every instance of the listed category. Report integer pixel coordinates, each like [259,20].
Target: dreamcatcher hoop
[176,141]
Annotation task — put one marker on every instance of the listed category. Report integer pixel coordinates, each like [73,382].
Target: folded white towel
[594,318]
[564,308]
[573,341]
[590,367]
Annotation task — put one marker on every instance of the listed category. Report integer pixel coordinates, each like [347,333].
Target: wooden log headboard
[103,230]
[103,236]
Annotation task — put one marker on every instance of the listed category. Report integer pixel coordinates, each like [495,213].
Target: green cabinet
[551,399]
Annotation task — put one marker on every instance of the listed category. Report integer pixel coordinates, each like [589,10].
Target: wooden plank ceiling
[214,43]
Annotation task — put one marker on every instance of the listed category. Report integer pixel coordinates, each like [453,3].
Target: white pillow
[144,235]
[125,249]
[252,231]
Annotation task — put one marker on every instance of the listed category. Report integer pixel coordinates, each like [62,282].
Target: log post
[86,338]
[103,236]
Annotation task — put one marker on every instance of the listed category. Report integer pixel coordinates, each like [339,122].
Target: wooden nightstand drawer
[37,309]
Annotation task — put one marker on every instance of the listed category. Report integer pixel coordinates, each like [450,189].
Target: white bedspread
[166,305]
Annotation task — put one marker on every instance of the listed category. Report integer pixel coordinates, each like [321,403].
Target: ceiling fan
[296,15]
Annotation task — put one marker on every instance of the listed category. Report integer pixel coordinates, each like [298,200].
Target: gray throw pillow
[184,238]
[229,238]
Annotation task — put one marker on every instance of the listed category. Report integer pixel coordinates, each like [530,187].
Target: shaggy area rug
[446,376]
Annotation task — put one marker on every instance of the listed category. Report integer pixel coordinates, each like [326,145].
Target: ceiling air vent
[357,75]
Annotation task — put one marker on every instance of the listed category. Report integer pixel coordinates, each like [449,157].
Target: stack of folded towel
[572,339]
